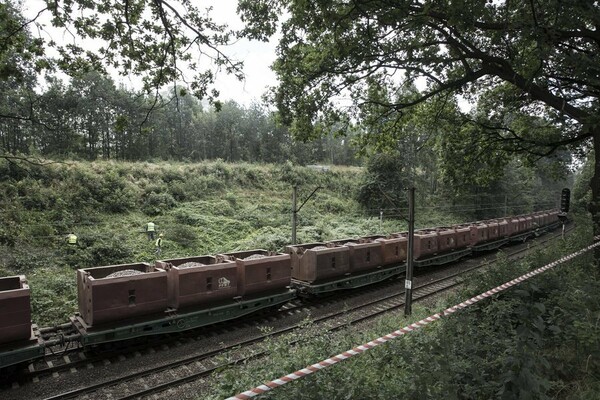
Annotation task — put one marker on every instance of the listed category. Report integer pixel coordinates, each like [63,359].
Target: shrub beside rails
[121,302]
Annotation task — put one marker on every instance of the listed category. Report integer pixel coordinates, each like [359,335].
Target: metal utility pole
[565,200]
[409,253]
[294,214]
[410,249]
[296,210]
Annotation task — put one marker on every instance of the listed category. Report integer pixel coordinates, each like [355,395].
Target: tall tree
[531,65]
[58,109]
[163,41]
[95,112]
[20,58]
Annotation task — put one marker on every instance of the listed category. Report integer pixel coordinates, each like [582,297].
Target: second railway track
[144,382]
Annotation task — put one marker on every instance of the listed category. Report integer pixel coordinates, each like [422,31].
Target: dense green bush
[333,204]
[267,238]
[158,203]
[98,249]
[293,175]
[53,294]
[35,195]
[203,186]
[177,190]
[119,200]
[24,258]
[183,235]
[195,213]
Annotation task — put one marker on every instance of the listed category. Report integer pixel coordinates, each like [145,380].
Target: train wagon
[316,262]
[20,340]
[120,302]
[200,281]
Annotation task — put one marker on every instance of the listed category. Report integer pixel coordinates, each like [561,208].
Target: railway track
[200,365]
[148,382]
[135,385]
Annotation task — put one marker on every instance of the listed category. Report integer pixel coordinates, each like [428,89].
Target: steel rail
[395,301]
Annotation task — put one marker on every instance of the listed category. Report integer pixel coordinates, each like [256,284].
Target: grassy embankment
[203,208]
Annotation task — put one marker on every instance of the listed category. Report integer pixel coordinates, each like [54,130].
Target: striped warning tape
[407,329]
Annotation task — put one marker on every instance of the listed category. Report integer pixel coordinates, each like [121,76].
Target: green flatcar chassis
[348,282]
[177,321]
[446,258]
[22,352]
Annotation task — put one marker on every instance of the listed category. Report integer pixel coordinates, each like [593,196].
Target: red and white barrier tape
[374,343]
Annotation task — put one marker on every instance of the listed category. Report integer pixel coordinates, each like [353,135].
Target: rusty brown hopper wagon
[552,217]
[446,239]
[426,243]
[529,222]
[463,235]
[261,271]
[15,309]
[119,292]
[479,233]
[393,248]
[365,254]
[503,228]
[493,229]
[313,262]
[522,223]
[195,281]
[513,226]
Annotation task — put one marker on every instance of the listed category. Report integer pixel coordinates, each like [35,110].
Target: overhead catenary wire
[462,207]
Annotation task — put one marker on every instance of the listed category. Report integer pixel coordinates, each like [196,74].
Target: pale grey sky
[257,56]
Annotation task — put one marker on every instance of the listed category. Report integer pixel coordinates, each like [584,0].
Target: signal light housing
[565,200]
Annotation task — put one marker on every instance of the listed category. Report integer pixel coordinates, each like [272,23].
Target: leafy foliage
[155,40]
[534,341]
[383,186]
[358,48]
[527,72]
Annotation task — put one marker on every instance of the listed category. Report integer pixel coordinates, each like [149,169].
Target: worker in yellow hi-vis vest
[150,229]
[158,244]
[72,242]
[72,239]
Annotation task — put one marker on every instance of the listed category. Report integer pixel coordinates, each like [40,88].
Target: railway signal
[565,200]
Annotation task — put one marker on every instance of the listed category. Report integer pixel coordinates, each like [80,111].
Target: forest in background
[89,118]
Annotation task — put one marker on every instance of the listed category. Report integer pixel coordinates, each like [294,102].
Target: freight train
[121,302]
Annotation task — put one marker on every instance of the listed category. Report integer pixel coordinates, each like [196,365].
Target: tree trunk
[594,206]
